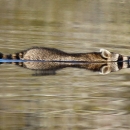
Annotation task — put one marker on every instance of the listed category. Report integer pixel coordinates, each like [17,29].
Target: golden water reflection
[74,98]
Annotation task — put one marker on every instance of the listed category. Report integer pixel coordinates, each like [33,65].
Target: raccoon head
[113,67]
[110,56]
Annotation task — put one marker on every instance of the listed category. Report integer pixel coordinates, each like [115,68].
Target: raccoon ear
[105,53]
[105,70]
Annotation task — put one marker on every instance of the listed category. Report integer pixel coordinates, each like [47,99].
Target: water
[73,98]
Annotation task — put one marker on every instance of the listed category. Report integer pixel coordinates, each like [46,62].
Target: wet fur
[94,61]
[52,54]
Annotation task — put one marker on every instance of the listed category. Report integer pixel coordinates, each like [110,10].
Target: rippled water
[73,98]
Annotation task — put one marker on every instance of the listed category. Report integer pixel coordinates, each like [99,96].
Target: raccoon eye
[105,53]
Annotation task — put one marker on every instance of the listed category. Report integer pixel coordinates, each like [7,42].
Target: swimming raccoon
[51,54]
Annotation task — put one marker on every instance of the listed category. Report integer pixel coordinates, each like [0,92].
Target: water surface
[73,98]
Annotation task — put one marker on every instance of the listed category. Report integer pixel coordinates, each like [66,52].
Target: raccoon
[52,54]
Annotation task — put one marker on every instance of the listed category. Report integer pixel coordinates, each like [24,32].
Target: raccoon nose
[1,55]
[128,62]
[129,58]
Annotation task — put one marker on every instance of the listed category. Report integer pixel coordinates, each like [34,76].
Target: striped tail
[15,56]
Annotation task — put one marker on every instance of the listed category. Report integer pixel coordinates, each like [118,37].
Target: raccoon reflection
[47,67]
